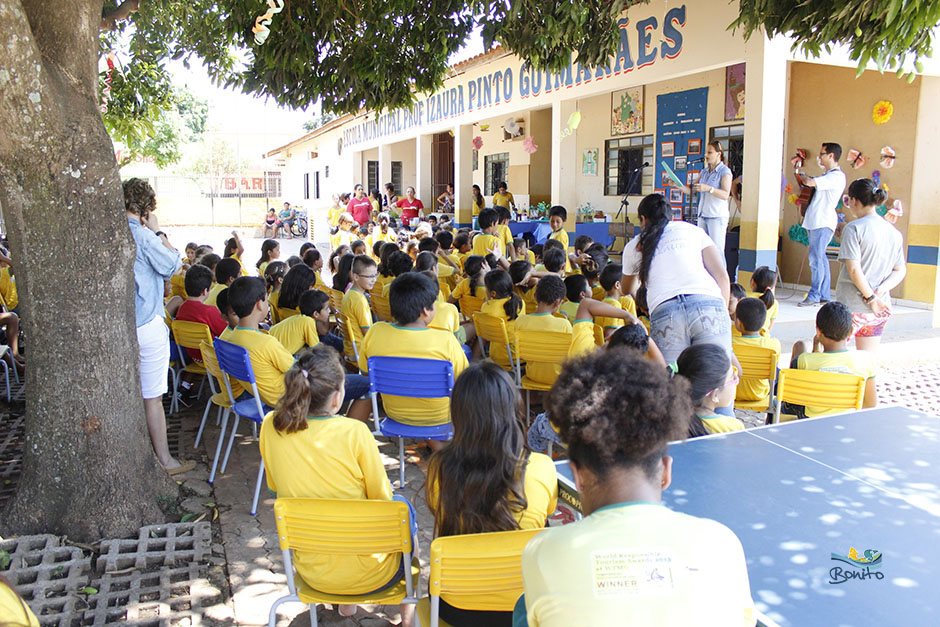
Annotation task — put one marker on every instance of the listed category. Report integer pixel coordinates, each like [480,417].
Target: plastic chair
[188,334]
[470,305]
[352,340]
[821,389]
[493,330]
[480,571]
[343,527]
[284,314]
[413,378]
[541,347]
[234,362]
[757,362]
[220,398]
[598,335]
[380,304]
[4,349]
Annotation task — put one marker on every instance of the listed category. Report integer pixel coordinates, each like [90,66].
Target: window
[396,177]
[731,139]
[306,186]
[372,176]
[496,169]
[316,185]
[621,158]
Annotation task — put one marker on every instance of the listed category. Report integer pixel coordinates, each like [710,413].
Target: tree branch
[121,12]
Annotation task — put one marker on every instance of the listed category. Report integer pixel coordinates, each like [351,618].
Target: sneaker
[808,303]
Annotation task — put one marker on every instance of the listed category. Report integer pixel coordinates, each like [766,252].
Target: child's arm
[238,243]
[590,308]
[656,355]
[442,256]
[871,394]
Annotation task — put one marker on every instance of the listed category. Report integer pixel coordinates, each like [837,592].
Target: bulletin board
[680,120]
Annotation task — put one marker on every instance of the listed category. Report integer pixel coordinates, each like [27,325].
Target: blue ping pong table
[800,495]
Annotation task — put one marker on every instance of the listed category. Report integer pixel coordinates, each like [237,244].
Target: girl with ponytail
[687,286]
[763,284]
[873,254]
[311,451]
[502,302]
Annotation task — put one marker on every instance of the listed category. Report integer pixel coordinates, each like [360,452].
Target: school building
[679,80]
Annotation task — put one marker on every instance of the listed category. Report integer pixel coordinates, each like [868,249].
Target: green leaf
[188,517]
[4,560]
[88,590]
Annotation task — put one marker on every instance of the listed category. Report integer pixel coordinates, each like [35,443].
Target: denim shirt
[154,264]
[709,205]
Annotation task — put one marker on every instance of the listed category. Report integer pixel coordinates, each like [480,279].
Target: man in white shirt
[820,220]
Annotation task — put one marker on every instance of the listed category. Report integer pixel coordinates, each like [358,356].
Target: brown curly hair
[616,408]
[139,197]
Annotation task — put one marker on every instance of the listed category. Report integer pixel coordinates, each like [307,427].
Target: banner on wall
[680,142]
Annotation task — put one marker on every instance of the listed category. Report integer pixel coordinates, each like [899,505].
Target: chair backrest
[757,362]
[336,300]
[470,305]
[191,334]
[480,571]
[543,346]
[491,328]
[412,377]
[347,328]
[821,389]
[342,526]
[380,304]
[211,362]
[598,335]
[234,361]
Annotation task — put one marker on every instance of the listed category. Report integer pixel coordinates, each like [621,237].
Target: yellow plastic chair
[599,335]
[284,314]
[820,389]
[470,305]
[494,331]
[480,571]
[343,527]
[220,399]
[757,362]
[188,334]
[541,347]
[380,305]
[336,300]
[347,328]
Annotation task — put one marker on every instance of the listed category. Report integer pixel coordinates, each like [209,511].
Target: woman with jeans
[687,286]
[714,189]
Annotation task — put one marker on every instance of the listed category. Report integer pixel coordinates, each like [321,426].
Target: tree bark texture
[88,469]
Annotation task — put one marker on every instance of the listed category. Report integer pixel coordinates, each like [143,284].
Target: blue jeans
[690,319]
[819,265]
[357,386]
[717,229]
[331,339]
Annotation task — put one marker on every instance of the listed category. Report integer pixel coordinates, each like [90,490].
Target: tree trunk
[88,468]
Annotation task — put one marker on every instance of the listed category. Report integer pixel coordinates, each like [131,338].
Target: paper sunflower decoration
[882,112]
[477,142]
[792,199]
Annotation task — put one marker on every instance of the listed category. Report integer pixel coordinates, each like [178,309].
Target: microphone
[646,164]
[699,160]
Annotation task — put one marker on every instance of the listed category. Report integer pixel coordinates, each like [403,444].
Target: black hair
[399,262]
[274,272]
[575,285]
[503,213]
[201,250]
[473,268]
[342,277]
[361,263]
[244,293]
[425,261]
[502,185]
[266,246]
[491,260]
[835,321]
[197,280]
[312,301]
[305,247]
[581,243]
[377,249]
[765,280]
[312,256]
[294,260]
[487,218]
[230,248]
[221,301]
[554,260]
[210,261]
[610,275]
[537,250]
[558,210]
[357,245]
[460,240]
[833,149]
[630,335]
[658,214]
[227,269]
[336,255]
[641,305]
[552,243]
[498,282]
[705,367]
[298,280]
[384,255]
[866,192]
[737,291]
[752,314]
[428,244]
[616,409]
[549,290]
[445,239]
[519,242]
[518,269]
[409,295]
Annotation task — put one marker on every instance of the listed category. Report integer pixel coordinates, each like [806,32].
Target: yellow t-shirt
[269,361]
[284,313]
[562,236]
[443,292]
[447,275]
[388,340]
[296,332]
[570,310]
[495,307]
[446,317]
[244,272]
[754,389]
[530,256]
[483,244]
[855,362]
[8,288]
[14,611]
[320,285]
[381,284]
[537,371]
[457,259]
[528,299]
[358,315]
[505,237]
[387,236]
[771,313]
[463,289]
[598,292]
[261,268]
[540,486]
[332,216]
[503,200]
[639,560]
[610,323]
[582,338]
[333,458]
[214,293]
[177,285]
[627,304]
[717,423]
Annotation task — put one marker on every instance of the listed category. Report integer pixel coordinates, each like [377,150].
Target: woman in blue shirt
[714,189]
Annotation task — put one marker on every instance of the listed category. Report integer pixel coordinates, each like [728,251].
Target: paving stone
[201,488]
[157,545]
[195,504]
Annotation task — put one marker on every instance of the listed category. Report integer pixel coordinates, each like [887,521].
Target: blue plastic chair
[413,378]
[235,362]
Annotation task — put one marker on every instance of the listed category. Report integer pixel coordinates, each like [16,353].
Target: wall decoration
[589,161]
[477,142]
[680,162]
[856,159]
[675,195]
[680,126]
[887,157]
[626,111]
[882,111]
[876,177]
[484,127]
[734,92]
[665,180]
[529,145]
[668,149]
[574,120]
[695,147]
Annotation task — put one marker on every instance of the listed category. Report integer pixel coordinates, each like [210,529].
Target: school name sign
[637,49]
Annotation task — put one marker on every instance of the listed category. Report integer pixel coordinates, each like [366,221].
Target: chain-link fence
[225,200]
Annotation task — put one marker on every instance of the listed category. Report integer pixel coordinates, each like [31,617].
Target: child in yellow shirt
[610,282]
[486,241]
[522,250]
[553,261]
[549,294]
[299,332]
[270,251]
[576,289]
[520,271]
[502,303]
[708,369]
[504,234]
[462,246]
[581,244]
[556,220]
[356,311]
[475,269]
[749,319]
[763,284]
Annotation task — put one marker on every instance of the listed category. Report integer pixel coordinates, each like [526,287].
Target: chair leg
[218,447]
[6,376]
[202,425]
[527,405]
[401,463]
[231,440]
[254,501]
[313,615]
[218,416]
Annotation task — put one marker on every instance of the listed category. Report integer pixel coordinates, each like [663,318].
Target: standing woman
[359,207]
[478,204]
[687,286]
[410,207]
[714,189]
[156,261]
[446,200]
[873,254]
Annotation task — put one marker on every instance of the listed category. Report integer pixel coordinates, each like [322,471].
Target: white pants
[716,228]
[154,340]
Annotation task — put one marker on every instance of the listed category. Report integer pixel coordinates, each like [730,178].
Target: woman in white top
[714,189]
[687,286]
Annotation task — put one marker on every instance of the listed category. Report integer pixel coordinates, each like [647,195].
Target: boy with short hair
[300,332]
[749,317]
[505,234]
[609,279]
[833,328]
[221,302]
[522,250]
[462,247]
[576,289]
[355,309]
[412,298]
[556,220]
[486,240]
[226,271]
[581,244]
[198,282]
[549,294]
[554,262]
[447,268]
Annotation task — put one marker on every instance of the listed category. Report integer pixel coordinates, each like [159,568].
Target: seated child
[833,328]
[522,250]
[642,309]
[556,220]
[195,309]
[297,281]
[357,313]
[763,284]
[299,332]
[448,268]
[593,262]
[486,241]
[634,335]
[749,318]
[427,262]
[358,247]
[504,234]
[581,244]
[576,288]
[609,279]
[737,293]
[554,261]
[502,302]
[445,240]
[310,450]
[712,380]
[519,492]
[462,246]
[231,320]
[520,271]
[475,267]
[314,260]
[618,449]
[412,298]
[294,260]
[226,271]
[549,293]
